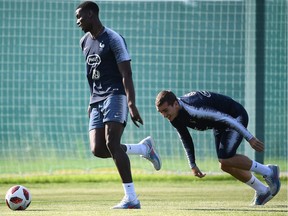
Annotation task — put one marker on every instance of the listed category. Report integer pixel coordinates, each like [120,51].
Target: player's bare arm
[125,70]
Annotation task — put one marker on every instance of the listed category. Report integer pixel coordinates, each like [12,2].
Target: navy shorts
[228,140]
[114,108]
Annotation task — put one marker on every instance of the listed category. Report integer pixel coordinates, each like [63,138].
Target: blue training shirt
[203,110]
[102,56]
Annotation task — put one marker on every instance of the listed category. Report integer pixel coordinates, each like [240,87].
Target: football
[18,198]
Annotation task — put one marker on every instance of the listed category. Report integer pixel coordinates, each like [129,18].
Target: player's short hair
[89,5]
[165,96]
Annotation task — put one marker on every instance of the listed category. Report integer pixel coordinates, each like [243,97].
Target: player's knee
[224,165]
[112,147]
[224,168]
[98,152]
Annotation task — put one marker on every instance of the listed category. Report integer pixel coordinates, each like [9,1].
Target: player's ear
[90,13]
[176,104]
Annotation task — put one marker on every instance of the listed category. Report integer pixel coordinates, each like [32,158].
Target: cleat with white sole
[151,154]
[273,180]
[261,199]
[125,204]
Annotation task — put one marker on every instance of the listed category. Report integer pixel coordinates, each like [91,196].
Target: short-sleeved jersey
[102,56]
[203,110]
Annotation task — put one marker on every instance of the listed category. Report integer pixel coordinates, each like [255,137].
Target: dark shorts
[228,140]
[114,108]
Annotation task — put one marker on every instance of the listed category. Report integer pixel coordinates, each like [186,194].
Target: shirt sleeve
[119,48]
[187,143]
[220,117]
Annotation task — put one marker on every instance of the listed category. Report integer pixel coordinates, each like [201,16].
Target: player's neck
[97,31]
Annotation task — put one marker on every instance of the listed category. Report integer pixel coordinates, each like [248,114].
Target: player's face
[83,20]
[169,111]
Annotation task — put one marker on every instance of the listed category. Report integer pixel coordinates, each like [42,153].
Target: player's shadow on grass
[39,210]
[243,210]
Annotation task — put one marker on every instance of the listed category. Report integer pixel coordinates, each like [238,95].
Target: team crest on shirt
[102,45]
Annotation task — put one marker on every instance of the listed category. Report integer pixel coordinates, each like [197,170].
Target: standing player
[202,110]
[112,96]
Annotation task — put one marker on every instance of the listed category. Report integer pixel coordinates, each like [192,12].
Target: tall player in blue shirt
[109,75]
[202,110]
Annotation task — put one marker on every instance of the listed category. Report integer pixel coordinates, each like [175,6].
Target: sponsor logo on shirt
[93,60]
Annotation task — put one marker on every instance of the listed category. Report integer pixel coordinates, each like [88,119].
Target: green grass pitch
[159,195]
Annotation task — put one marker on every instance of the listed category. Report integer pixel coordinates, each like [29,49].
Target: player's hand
[135,116]
[196,171]
[89,110]
[256,144]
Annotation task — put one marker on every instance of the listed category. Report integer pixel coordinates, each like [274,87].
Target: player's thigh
[113,134]
[97,128]
[97,138]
